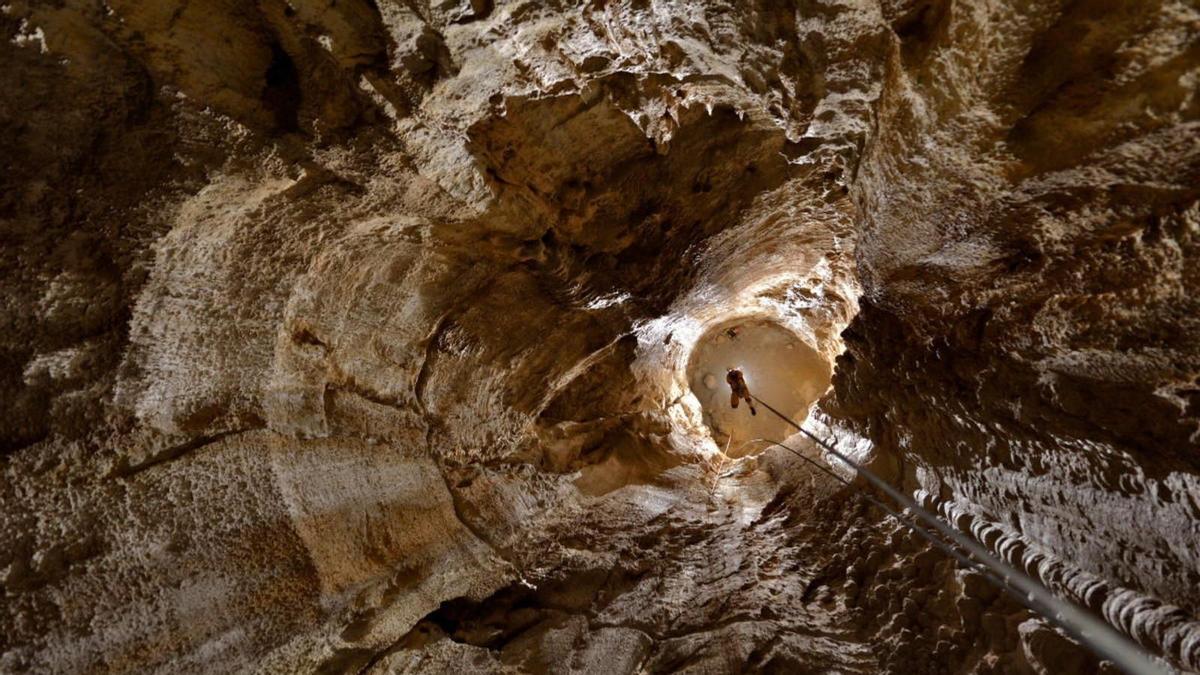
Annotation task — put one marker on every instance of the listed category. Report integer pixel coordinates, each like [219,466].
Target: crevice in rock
[281,93]
[125,468]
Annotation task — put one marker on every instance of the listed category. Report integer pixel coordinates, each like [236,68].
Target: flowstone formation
[378,336]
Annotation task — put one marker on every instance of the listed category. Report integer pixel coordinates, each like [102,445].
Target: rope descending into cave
[721,466]
[965,560]
[1098,635]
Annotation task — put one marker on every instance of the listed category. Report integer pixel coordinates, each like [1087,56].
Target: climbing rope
[712,489]
[1099,636]
[941,544]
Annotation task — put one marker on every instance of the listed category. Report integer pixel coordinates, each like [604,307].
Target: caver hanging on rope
[738,389]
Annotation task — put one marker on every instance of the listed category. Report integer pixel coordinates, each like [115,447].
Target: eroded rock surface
[359,336]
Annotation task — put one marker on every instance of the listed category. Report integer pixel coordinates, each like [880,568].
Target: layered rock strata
[362,336]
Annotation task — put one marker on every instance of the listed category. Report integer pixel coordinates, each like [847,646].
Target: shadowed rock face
[372,336]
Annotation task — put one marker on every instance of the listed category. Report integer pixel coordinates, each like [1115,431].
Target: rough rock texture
[361,336]
[1029,221]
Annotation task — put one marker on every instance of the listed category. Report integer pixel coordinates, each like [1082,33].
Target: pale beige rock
[389,336]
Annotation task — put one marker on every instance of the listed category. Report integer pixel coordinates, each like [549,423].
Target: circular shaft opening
[777,367]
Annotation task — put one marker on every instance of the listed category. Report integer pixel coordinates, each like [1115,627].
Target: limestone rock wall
[353,336]
[1029,211]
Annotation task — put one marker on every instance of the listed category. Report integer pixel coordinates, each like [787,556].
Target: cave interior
[369,336]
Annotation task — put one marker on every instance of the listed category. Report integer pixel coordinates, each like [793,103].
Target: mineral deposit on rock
[382,336]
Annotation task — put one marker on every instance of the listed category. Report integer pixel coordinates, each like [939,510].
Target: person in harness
[738,389]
